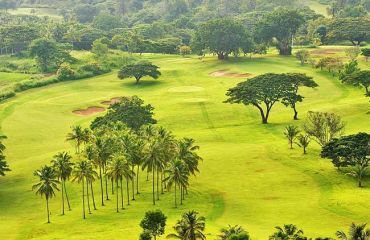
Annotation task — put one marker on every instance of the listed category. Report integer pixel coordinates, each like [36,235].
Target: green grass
[318,7]
[249,175]
[41,12]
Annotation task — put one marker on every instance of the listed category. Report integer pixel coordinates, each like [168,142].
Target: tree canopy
[139,70]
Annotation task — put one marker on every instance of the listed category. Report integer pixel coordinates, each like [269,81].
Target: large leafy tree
[49,54]
[130,111]
[350,151]
[222,37]
[356,232]
[288,231]
[154,222]
[355,30]
[280,26]
[139,70]
[63,167]
[47,185]
[294,81]
[359,78]
[189,227]
[261,92]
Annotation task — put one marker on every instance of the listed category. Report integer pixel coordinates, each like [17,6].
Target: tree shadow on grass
[142,83]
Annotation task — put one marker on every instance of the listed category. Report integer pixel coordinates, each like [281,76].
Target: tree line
[191,226]
[116,149]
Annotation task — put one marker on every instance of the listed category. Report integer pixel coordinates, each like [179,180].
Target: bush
[65,72]
[6,94]
[94,68]
[185,50]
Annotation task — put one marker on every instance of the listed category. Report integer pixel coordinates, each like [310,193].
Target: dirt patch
[88,111]
[226,73]
[186,89]
[112,101]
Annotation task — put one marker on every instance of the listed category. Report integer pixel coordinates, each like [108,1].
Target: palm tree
[80,173]
[90,155]
[288,232]
[303,142]
[291,133]
[356,232]
[190,227]
[153,159]
[178,175]
[63,167]
[115,172]
[231,230]
[77,136]
[90,177]
[47,185]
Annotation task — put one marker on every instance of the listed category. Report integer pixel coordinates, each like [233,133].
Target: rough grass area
[249,175]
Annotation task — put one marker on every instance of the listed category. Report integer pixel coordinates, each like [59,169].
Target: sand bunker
[186,89]
[195,100]
[226,73]
[89,111]
[112,101]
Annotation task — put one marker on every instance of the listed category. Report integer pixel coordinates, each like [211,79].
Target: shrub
[65,72]
[6,94]
[184,50]
[94,68]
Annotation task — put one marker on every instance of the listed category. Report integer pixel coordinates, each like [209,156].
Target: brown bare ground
[226,73]
[89,111]
[112,101]
[327,51]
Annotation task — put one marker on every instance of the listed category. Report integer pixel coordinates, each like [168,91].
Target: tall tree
[178,175]
[261,92]
[63,167]
[78,135]
[47,185]
[359,78]
[115,171]
[355,30]
[280,26]
[80,175]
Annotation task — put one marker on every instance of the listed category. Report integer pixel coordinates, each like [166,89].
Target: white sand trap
[195,100]
[186,89]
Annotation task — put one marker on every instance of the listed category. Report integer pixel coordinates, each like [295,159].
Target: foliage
[302,56]
[154,222]
[332,64]
[353,52]
[351,150]
[65,72]
[280,25]
[189,227]
[303,142]
[291,132]
[366,53]
[220,36]
[100,49]
[130,111]
[232,232]
[359,78]
[359,232]
[3,164]
[355,30]
[139,70]
[185,50]
[349,69]
[323,126]
[288,231]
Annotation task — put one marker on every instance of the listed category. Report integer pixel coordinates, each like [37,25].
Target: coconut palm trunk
[133,184]
[106,183]
[162,183]
[157,183]
[153,187]
[175,197]
[122,207]
[128,191]
[117,194]
[112,186]
[88,196]
[65,191]
[47,208]
[101,186]
[62,198]
[92,195]
[137,179]
[181,194]
[83,199]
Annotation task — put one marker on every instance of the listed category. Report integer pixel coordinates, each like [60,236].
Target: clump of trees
[352,151]
[265,90]
[122,141]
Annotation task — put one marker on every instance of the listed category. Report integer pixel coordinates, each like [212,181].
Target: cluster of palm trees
[114,154]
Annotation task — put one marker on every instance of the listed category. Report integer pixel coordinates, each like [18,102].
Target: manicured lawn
[249,175]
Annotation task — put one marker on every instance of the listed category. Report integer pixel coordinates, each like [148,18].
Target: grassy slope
[249,176]
[317,7]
